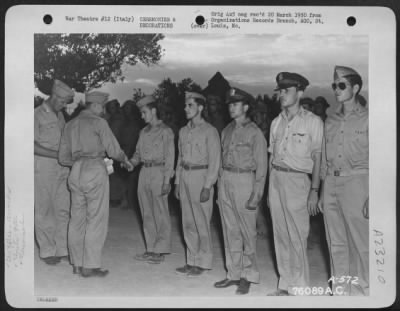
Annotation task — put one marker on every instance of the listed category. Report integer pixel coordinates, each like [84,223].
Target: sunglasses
[341,85]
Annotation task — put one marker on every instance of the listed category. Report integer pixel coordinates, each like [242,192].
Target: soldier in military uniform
[52,198]
[85,142]
[241,187]
[345,191]
[295,147]
[320,106]
[196,173]
[156,151]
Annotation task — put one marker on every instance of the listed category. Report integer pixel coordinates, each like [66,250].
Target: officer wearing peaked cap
[155,149]
[345,174]
[52,199]
[196,173]
[240,190]
[85,142]
[295,147]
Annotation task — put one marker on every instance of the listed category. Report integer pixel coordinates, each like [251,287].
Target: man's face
[146,114]
[99,109]
[60,102]
[347,93]
[237,109]
[192,109]
[113,108]
[212,104]
[289,96]
[318,109]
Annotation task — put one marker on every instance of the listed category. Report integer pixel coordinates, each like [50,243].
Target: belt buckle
[336,173]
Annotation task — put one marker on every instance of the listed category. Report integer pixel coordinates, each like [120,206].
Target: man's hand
[312,202]
[128,165]
[176,191]
[366,209]
[165,189]
[204,195]
[250,204]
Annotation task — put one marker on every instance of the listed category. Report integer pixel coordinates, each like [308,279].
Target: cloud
[144,81]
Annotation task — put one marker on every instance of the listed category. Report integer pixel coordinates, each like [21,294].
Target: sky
[250,62]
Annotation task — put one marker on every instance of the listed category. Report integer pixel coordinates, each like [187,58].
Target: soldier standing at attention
[52,198]
[295,147]
[240,191]
[156,150]
[345,190]
[196,173]
[85,142]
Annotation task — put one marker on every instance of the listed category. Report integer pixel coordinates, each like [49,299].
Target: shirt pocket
[199,148]
[300,143]
[50,133]
[243,150]
[358,147]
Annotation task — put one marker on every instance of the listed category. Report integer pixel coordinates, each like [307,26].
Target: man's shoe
[183,270]
[63,258]
[144,257]
[279,292]
[89,272]
[51,260]
[195,271]
[226,283]
[243,288]
[156,258]
[77,270]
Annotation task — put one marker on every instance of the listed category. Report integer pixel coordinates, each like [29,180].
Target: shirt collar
[358,109]
[192,125]
[246,122]
[301,113]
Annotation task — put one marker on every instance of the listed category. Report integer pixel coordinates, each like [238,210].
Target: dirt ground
[129,277]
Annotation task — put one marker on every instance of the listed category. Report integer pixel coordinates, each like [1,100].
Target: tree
[137,95]
[86,61]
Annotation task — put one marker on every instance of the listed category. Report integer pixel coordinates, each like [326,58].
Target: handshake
[128,165]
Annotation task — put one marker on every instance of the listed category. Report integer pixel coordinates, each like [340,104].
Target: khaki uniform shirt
[346,145]
[244,146]
[293,143]
[88,136]
[200,145]
[156,144]
[48,127]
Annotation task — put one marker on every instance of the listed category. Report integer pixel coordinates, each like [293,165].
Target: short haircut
[154,105]
[353,80]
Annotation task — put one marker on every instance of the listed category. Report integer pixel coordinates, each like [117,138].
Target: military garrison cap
[342,71]
[189,95]
[62,90]
[289,79]
[235,95]
[145,101]
[96,97]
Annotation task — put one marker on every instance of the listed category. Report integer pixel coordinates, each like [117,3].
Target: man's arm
[44,152]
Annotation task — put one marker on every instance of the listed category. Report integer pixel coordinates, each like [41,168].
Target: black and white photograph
[202,164]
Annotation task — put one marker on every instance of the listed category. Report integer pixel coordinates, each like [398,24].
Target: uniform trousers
[154,209]
[347,231]
[196,218]
[88,227]
[52,207]
[288,194]
[238,225]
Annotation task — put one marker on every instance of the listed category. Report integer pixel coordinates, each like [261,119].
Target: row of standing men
[238,161]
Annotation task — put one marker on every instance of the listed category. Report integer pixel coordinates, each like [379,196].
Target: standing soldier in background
[215,114]
[295,147]
[240,191]
[320,106]
[115,121]
[84,144]
[129,138]
[156,150]
[52,198]
[261,118]
[196,173]
[345,191]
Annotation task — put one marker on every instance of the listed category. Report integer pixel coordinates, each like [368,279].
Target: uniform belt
[189,167]
[152,163]
[288,170]
[237,169]
[339,173]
